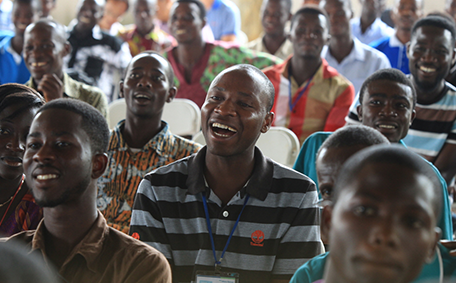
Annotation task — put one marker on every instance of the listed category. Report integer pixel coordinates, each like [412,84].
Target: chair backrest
[182,115]
[279,144]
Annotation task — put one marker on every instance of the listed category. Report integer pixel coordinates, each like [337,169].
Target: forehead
[433,35]
[149,62]
[336,156]
[53,120]
[307,19]
[276,4]
[89,4]
[143,3]
[337,4]
[184,7]
[389,88]
[44,30]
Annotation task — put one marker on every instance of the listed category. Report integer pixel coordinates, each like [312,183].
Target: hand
[51,87]
[451,245]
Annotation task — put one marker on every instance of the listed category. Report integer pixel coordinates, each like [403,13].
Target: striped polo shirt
[320,104]
[278,230]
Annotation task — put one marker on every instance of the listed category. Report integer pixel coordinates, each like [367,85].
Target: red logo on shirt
[135,235]
[257,238]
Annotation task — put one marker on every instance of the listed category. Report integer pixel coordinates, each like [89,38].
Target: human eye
[363,210]
[157,78]
[33,145]
[375,102]
[245,104]
[414,222]
[134,75]
[28,48]
[4,131]
[326,193]
[62,144]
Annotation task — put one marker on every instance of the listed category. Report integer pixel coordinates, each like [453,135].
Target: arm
[336,117]
[445,161]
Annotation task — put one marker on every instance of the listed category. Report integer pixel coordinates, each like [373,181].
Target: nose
[384,233]
[388,110]
[428,56]
[226,108]
[15,145]
[144,82]
[44,154]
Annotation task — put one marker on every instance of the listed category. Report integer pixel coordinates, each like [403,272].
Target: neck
[8,188]
[104,25]
[228,175]
[17,43]
[274,41]
[304,68]
[428,95]
[82,33]
[67,224]
[341,46]
[188,54]
[144,32]
[366,21]
[137,132]
[403,35]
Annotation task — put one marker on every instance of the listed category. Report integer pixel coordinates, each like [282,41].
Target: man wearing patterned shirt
[310,95]
[196,62]
[144,34]
[141,142]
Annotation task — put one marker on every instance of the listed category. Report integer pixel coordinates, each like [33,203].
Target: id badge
[216,277]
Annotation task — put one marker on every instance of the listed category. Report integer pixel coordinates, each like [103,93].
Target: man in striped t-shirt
[433,132]
[188,209]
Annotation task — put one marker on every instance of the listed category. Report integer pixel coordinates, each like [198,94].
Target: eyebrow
[383,95]
[245,94]
[55,134]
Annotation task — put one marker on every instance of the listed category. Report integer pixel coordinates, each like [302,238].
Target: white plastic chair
[279,144]
[182,115]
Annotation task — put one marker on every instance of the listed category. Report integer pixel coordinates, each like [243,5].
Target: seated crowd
[369,196]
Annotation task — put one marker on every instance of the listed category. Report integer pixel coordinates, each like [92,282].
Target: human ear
[99,163]
[431,252]
[171,94]
[267,122]
[359,109]
[121,89]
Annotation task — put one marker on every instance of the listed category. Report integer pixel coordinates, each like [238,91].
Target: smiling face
[406,13]
[146,87]
[329,161]
[88,15]
[44,50]
[185,23]
[21,16]
[339,16]
[113,12]
[58,157]
[382,227]
[14,127]
[144,16]
[235,113]
[275,16]
[387,106]
[430,54]
[309,34]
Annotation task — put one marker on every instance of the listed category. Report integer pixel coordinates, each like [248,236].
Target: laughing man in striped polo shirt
[188,209]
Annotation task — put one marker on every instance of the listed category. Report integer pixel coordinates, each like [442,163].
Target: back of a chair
[182,115]
[116,112]
[279,144]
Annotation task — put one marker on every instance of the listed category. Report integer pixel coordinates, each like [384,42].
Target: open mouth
[12,161]
[84,20]
[387,127]
[427,70]
[43,177]
[37,64]
[21,26]
[223,131]
[180,31]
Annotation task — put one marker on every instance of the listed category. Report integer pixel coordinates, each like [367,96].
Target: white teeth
[427,70]
[141,96]
[221,135]
[38,64]
[180,31]
[386,126]
[84,20]
[218,125]
[47,177]
[21,26]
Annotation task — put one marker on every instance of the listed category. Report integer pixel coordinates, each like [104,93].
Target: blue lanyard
[208,221]
[290,100]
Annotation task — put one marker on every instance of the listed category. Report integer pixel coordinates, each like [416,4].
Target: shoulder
[185,145]
[25,237]
[288,180]
[311,271]
[380,44]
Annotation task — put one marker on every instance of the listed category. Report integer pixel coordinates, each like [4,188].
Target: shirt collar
[90,247]
[259,183]
[357,53]
[162,142]
[395,42]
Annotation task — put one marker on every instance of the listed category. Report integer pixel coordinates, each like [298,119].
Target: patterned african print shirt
[156,40]
[217,57]
[126,168]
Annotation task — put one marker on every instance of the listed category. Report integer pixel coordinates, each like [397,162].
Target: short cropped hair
[353,135]
[169,73]
[59,29]
[268,87]
[93,123]
[436,21]
[390,154]
[389,74]
[199,4]
[312,10]
[12,93]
